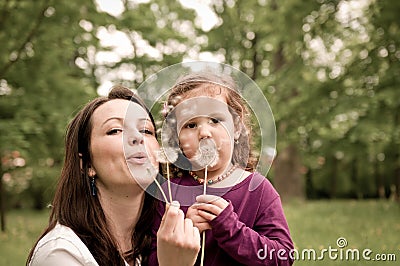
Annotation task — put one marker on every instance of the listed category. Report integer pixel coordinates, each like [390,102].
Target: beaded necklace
[216,180]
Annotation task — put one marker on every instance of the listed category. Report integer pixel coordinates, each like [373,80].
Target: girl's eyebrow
[217,113]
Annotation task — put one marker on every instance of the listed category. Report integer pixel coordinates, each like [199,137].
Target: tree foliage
[328,68]
[330,72]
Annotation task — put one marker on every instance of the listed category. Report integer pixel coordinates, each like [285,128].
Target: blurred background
[329,69]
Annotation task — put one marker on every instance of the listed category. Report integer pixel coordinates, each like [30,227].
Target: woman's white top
[62,247]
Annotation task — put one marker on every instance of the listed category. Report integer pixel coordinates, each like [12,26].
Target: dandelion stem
[159,186]
[169,183]
[203,241]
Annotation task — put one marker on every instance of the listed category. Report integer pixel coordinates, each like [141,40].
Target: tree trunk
[2,207]
[288,180]
[333,188]
[397,162]
[310,191]
[354,179]
[379,181]
[397,177]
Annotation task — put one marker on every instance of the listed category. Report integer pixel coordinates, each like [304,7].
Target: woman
[100,213]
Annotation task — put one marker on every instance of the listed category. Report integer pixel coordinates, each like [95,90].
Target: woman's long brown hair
[73,204]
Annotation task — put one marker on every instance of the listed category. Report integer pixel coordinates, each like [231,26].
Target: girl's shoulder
[258,181]
[256,185]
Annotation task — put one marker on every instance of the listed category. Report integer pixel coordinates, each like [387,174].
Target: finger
[188,227]
[206,198]
[163,217]
[170,218]
[212,199]
[179,228]
[210,208]
[206,215]
[195,205]
[196,236]
[203,226]
[197,219]
[194,216]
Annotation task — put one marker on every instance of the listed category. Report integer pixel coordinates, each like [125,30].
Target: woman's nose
[135,137]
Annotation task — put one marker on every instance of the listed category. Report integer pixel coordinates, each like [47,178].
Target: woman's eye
[190,125]
[147,132]
[114,131]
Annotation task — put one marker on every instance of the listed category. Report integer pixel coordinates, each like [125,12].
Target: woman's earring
[236,141]
[93,186]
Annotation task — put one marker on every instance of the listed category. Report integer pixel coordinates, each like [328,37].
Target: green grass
[23,228]
[313,225]
[364,224]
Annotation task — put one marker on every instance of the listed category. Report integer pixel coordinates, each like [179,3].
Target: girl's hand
[210,206]
[198,221]
[178,241]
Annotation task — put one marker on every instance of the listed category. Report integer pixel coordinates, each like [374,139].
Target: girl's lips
[138,158]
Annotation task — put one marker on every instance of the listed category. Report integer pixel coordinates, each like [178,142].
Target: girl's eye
[190,125]
[114,131]
[215,120]
[147,132]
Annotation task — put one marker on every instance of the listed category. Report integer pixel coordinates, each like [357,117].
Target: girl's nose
[204,131]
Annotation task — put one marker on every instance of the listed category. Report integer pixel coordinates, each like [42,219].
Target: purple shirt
[252,230]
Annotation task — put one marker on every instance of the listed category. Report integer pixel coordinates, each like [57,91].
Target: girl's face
[206,117]
[117,148]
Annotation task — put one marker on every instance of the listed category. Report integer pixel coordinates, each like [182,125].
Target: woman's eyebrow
[112,118]
[146,120]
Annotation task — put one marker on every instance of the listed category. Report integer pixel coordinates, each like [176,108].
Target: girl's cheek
[188,150]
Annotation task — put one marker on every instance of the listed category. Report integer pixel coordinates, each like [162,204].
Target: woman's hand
[178,241]
[210,206]
[198,221]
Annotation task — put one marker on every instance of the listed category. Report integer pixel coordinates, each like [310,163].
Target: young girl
[245,225]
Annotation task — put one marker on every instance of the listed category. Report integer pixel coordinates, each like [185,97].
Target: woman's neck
[122,211]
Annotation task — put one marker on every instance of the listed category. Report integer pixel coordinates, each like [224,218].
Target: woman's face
[122,145]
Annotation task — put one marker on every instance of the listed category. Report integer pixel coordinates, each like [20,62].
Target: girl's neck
[213,173]
[235,176]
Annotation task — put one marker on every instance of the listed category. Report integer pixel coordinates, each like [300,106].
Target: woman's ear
[92,172]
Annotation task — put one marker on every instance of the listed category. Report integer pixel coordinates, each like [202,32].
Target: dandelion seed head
[167,155]
[207,154]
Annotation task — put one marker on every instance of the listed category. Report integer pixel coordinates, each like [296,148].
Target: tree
[50,65]
[329,70]
[156,34]
[263,39]
[40,84]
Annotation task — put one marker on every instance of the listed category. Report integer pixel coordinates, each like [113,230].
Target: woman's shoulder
[61,246]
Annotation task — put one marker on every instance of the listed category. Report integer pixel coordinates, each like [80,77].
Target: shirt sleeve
[60,252]
[269,243]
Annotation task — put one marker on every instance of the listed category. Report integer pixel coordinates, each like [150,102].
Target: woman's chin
[143,175]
